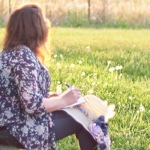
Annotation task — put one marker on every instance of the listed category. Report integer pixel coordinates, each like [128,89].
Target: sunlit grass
[114,65]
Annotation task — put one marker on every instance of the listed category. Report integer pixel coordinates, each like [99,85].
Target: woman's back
[24,82]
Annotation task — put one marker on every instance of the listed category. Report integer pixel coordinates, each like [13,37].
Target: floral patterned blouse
[24,81]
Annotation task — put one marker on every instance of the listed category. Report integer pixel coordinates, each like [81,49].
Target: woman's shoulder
[22,52]
[19,55]
[22,49]
[18,51]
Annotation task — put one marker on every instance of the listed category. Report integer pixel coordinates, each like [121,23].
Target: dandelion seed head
[72,65]
[118,67]
[83,74]
[93,83]
[108,62]
[121,67]
[83,85]
[55,56]
[111,69]
[90,91]
[80,62]
[58,64]
[130,97]
[141,108]
[87,47]
[58,82]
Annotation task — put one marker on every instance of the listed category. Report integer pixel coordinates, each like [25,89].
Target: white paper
[80,101]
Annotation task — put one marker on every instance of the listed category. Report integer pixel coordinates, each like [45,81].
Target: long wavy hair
[27,26]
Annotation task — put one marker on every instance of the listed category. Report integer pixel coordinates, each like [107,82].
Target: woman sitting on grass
[27,111]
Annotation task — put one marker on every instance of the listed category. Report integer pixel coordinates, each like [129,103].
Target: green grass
[83,57]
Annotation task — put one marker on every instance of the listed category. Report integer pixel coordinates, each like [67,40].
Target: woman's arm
[53,94]
[68,97]
[26,77]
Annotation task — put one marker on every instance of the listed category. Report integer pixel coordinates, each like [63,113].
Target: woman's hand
[70,96]
[59,101]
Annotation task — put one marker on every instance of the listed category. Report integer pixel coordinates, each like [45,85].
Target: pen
[68,86]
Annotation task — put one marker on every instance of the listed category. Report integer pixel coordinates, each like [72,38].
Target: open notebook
[80,101]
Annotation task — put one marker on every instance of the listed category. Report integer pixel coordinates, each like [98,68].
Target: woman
[27,111]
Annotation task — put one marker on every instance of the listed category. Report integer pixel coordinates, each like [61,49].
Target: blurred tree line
[113,13]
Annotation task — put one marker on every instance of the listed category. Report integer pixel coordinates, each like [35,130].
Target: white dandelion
[118,67]
[61,55]
[141,108]
[111,69]
[130,97]
[80,62]
[90,91]
[58,82]
[108,62]
[83,73]
[93,83]
[72,65]
[88,47]
[55,56]
[58,64]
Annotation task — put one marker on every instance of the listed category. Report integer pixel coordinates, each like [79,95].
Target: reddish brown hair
[27,26]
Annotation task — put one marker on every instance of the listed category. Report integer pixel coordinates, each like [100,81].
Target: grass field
[113,64]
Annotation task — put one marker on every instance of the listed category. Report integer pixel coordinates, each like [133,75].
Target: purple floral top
[24,81]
